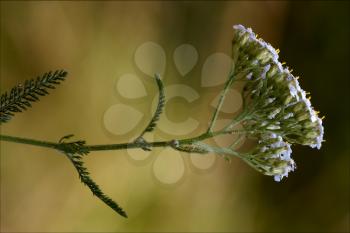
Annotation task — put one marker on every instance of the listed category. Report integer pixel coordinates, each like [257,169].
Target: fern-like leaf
[75,151]
[95,189]
[161,101]
[21,96]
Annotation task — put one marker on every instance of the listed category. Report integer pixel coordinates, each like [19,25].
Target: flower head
[276,111]
[279,108]
[272,156]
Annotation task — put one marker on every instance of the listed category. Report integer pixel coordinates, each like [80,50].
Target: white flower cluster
[279,107]
[272,156]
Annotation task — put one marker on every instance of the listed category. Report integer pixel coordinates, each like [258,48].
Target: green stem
[126,146]
[29,141]
[54,145]
[220,103]
[103,147]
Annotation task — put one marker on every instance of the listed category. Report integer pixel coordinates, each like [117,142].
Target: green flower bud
[277,170]
[274,113]
[278,78]
[269,141]
[299,106]
[263,54]
[302,116]
[273,127]
[263,123]
[309,124]
[281,163]
[307,141]
[273,71]
[288,98]
[243,40]
[311,134]
[268,101]
[278,150]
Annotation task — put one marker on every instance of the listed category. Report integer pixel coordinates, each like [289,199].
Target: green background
[95,42]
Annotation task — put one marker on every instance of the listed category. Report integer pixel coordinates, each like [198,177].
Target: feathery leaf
[161,101]
[20,97]
[75,151]
[95,189]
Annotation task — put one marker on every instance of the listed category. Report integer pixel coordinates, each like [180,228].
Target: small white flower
[291,167]
[319,138]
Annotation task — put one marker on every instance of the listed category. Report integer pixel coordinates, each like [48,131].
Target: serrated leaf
[161,101]
[19,97]
[95,189]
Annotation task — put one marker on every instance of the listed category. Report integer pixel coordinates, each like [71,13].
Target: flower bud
[302,116]
[287,99]
[309,124]
[273,113]
[288,115]
[278,78]
[279,150]
[273,71]
[299,106]
[269,101]
[241,35]
[273,127]
[263,54]
[311,134]
[307,141]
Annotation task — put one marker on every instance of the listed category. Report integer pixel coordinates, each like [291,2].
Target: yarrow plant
[276,113]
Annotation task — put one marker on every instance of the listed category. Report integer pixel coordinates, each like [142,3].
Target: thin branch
[220,103]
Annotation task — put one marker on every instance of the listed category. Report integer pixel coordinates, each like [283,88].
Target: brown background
[95,42]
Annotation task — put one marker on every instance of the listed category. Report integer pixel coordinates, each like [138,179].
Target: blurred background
[97,42]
